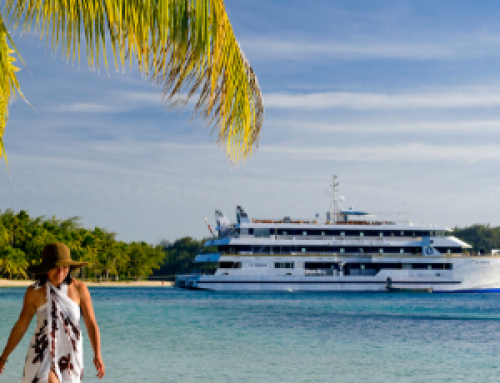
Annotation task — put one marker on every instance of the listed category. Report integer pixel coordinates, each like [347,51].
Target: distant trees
[23,238]
[481,237]
[180,255]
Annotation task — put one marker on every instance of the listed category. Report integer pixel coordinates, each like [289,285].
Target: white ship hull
[478,274]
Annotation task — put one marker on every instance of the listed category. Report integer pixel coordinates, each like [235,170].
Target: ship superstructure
[349,251]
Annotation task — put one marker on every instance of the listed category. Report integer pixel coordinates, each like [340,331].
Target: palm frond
[9,85]
[187,47]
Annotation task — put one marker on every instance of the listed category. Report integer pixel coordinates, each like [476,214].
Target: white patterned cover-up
[57,342]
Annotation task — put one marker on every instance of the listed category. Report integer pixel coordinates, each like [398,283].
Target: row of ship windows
[349,266]
[330,249]
[266,233]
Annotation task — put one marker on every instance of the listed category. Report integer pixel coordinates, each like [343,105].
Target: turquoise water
[166,335]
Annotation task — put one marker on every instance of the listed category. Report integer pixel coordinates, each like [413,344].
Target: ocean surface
[166,335]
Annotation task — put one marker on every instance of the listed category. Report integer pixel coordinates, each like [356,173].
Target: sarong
[57,343]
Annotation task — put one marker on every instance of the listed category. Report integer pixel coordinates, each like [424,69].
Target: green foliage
[481,237]
[180,255]
[23,238]
[12,262]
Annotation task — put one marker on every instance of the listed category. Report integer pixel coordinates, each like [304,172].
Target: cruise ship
[349,251]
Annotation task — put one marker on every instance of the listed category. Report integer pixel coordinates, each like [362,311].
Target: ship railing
[308,221]
[345,238]
[285,237]
[363,222]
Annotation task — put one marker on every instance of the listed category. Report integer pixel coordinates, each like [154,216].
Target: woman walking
[55,354]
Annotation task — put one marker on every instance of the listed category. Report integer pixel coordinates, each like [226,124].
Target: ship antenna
[333,204]
[334,200]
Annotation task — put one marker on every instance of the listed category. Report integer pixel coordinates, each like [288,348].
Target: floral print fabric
[57,342]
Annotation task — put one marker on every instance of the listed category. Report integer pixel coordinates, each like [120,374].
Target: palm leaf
[187,47]
[9,85]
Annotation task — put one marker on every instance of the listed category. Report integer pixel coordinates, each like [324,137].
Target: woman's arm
[92,328]
[22,324]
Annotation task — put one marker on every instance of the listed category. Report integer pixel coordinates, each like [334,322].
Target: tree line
[22,239]
[482,238]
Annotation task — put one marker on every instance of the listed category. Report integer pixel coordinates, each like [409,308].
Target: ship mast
[333,206]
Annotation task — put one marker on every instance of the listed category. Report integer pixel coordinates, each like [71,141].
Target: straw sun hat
[55,255]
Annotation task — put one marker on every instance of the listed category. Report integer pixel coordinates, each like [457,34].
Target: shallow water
[166,335]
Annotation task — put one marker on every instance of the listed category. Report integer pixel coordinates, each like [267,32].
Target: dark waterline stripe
[339,282]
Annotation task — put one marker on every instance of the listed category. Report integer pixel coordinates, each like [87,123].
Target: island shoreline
[13,283]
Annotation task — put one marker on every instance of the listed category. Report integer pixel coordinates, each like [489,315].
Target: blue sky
[400,99]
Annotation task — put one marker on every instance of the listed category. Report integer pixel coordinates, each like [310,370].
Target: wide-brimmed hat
[55,255]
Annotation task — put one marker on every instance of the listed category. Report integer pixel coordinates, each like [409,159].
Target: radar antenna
[333,205]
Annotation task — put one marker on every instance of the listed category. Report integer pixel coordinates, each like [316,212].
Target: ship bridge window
[449,250]
[206,268]
[229,265]
[284,232]
[432,266]
[261,233]
[284,265]
[320,265]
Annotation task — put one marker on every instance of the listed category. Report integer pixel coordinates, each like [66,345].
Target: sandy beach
[11,283]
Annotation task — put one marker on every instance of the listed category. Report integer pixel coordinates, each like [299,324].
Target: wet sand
[13,283]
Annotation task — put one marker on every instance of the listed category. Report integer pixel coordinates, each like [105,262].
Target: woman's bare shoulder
[35,295]
[80,286]
[31,292]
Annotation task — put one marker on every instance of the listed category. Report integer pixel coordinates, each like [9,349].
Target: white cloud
[363,48]
[119,102]
[85,107]
[404,125]
[306,50]
[401,153]
[381,101]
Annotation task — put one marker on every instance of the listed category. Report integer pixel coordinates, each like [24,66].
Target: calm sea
[166,335]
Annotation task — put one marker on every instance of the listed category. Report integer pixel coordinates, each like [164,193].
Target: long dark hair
[41,279]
